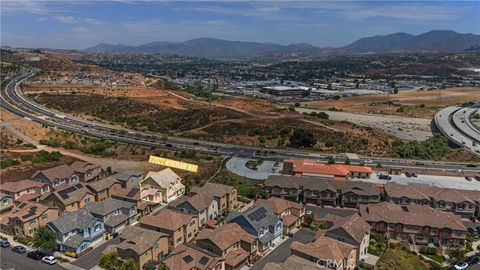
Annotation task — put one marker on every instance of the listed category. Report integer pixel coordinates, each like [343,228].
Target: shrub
[302,138]
[8,163]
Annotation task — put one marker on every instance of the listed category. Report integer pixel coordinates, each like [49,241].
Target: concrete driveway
[89,260]
[237,166]
[282,252]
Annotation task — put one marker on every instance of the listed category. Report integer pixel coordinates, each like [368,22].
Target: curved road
[452,123]
[24,107]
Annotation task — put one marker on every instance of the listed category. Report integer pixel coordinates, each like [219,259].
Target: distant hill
[437,40]
[204,47]
[440,40]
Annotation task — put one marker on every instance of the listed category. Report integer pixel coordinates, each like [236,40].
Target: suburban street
[13,260]
[280,253]
[90,259]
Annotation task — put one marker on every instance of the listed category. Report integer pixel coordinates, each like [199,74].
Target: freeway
[16,102]
[452,123]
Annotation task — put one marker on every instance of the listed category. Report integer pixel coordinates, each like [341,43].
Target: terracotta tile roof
[57,172]
[102,184]
[278,205]
[353,225]
[418,192]
[226,236]
[21,185]
[199,202]
[82,166]
[236,256]
[28,210]
[324,248]
[187,257]
[315,167]
[28,197]
[139,239]
[167,219]
[418,215]
[214,189]
[289,220]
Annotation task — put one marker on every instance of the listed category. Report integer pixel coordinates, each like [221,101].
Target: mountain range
[437,40]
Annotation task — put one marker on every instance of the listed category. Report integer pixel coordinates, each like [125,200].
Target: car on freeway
[4,243]
[458,171]
[19,249]
[468,178]
[419,163]
[49,260]
[472,165]
[36,255]
[368,161]
[472,260]
[461,265]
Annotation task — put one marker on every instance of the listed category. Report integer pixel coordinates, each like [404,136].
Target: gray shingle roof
[123,176]
[74,241]
[69,221]
[258,217]
[107,206]
[116,220]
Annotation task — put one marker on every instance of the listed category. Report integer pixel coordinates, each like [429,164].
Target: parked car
[414,174]
[368,161]
[19,249]
[478,229]
[468,178]
[4,243]
[472,260]
[471,230]
[309,212]
[384,176]
[461,265]
[49,260]
[477,178]
[37,255]
[408,174]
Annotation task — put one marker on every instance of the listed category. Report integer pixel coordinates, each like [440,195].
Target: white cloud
[92,21]
[66,19]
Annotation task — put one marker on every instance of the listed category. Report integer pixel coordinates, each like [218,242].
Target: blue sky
[80,24]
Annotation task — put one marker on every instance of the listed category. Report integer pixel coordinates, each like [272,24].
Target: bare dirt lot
[421,104]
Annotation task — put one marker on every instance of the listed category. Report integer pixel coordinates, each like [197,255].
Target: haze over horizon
[82,24]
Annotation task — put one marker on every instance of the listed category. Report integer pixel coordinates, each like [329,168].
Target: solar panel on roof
[188,259]
[258,214]
[203,260]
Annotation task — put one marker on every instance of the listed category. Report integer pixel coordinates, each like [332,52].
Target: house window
[86,200]
[97,228]
[179,240]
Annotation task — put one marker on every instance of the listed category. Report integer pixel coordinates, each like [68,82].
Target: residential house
[24,190]
[86,171]
[418,224]
[25,218]
[161,187]
[189,256]
[142,245]
[102,189]
[68,197]
[6,203]
[204,206]
[460,202]
[327,253]
[180,227]
[321,191]
[292,262]
[115,214]
[77,231]
[307,167]
[225,195]
[292,213]
[231,242]
[56,176]
[262,223]
[132,194]
[129,178]
[353,230]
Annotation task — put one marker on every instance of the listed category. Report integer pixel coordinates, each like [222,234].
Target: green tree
[128,265]
[302,138]
[109,261]
[330,160]
[44,238]
[163,266]
[456,254]
[347,161]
